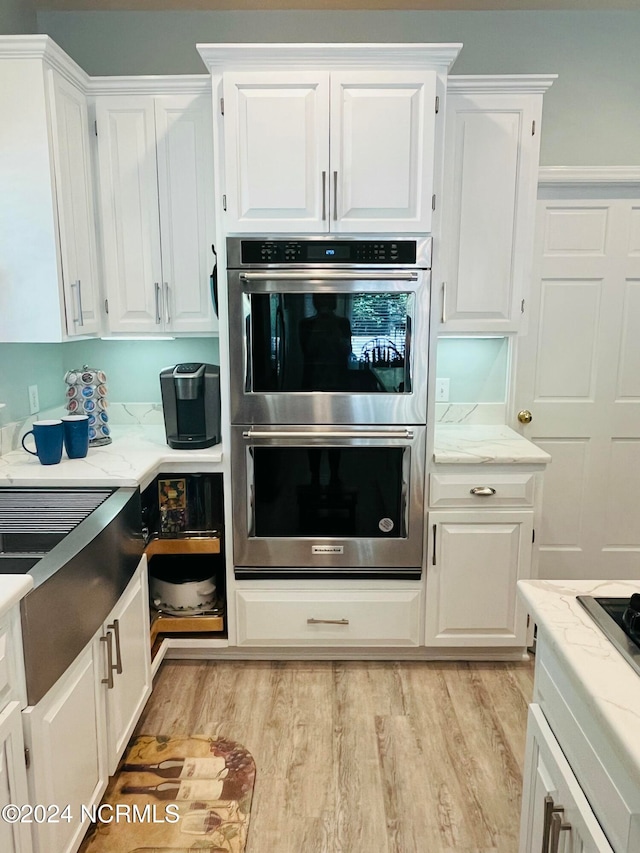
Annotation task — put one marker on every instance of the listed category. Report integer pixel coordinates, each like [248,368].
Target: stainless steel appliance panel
[313,499]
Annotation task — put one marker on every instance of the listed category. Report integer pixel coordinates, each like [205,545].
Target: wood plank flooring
[363,757]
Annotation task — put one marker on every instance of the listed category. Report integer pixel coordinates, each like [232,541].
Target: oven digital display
[336,252]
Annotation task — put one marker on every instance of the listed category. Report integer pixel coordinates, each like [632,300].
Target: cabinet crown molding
[153,84]
[226,57]
[496,84]
[44,48]
[591,175]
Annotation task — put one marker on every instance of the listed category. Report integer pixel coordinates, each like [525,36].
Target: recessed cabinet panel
[476,560]
[382,148]
[276,151]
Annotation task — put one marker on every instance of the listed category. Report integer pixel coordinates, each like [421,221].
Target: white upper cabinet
[344,151]
[319,138]
[492,143]
[155,166]
[48,265]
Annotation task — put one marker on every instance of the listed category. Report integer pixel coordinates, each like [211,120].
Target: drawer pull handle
[115,627]
[110,665]
[313,621]
[550,809]
[557,826]
[483,491]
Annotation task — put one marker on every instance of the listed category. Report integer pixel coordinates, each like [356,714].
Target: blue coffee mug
[48,436]
[76,435]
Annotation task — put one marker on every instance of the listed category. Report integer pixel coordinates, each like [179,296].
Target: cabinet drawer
[318,618]
[482,490]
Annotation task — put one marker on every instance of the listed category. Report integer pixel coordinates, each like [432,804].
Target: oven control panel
[328,251]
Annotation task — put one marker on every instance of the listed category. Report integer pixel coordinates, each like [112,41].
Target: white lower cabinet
[475,559]
[289,617]
[77,732]
[125,650]
[556,815]
[14,837]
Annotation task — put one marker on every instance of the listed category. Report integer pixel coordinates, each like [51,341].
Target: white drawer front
[318,618]
[485,489]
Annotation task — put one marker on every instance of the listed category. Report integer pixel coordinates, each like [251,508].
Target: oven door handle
[330,275]
[327,434]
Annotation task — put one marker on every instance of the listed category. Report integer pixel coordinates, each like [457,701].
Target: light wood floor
[363,757]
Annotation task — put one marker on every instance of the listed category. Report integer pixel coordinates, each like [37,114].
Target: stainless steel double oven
[328,368]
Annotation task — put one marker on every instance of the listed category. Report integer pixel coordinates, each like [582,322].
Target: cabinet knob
[525,416]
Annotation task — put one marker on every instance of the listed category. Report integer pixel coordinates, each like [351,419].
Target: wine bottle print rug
[173,795]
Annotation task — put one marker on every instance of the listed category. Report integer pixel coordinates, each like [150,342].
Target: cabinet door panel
[131,687]
[548,774]
[276,131]
[185,186]
[76,212]
[382,151]
[129,212]
[491,165]
[16,837]
[477,560]
[65,735]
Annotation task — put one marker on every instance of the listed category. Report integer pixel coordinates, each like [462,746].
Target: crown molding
[556,176]
[153,84]
[44,48]
[499,84]
[225,57]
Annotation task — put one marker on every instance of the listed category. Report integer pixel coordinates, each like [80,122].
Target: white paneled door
[579,375]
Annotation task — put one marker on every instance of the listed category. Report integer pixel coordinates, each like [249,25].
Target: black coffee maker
[191,403]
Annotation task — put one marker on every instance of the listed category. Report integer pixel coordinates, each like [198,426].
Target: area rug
[173,795]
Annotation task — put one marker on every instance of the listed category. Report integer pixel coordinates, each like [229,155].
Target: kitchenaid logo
[327,549]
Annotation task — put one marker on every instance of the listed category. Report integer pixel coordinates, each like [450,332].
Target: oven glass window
[328,491]
[327,341]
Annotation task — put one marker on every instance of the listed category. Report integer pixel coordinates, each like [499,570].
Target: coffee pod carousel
[87,395]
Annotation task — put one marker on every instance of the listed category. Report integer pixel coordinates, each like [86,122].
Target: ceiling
[239,5]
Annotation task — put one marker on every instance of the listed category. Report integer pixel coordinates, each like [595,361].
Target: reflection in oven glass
[327,341]
[328,491]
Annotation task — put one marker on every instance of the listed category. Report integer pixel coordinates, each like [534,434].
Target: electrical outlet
[34,401]
[442,390]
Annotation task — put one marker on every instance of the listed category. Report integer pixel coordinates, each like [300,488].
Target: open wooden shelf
[187,544]
[165,624]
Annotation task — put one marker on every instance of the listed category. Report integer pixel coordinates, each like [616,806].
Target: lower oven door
[339,502]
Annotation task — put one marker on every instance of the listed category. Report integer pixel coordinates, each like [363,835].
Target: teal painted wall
[17,16]
[132,369]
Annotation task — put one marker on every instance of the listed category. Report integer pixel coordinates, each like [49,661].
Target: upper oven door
[328,346]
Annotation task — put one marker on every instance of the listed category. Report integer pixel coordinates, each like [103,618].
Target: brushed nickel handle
[525,416]
[335,196]
[324,196]
[313,621]
[109,679]
[550,809]
[167,309]
[115,627]
[157,287]
[557,826]
[78,319]
[482,491]
[327,434]
[329,275]
[443,313]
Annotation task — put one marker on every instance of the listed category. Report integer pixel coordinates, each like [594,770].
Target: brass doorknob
[525,416]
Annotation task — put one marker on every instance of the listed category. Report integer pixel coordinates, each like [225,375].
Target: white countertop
[12,589]
[483,443]
[135,456]
[608,682]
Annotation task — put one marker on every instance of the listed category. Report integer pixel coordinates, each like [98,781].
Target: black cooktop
[619,620]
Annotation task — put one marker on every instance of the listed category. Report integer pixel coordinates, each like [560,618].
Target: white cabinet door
[184,133]
[76,211]
[276,133]
[64,733]
[156,200]
[490,186]
[126,647]
[382,151]
[553,803]
[476,560]
[14,837]
[319,151]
